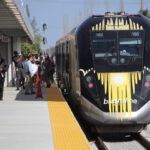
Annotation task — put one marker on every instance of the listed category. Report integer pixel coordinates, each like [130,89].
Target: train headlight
[147,78]
[88,79]
[118,79]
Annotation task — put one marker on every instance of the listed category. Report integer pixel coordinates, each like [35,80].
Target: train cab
[109,71]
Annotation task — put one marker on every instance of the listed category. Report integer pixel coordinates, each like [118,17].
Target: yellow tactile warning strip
[67,134]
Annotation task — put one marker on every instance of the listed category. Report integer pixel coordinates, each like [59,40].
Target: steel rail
[142,140]
[100,144]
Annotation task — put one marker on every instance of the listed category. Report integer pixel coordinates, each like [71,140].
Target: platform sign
[5,39]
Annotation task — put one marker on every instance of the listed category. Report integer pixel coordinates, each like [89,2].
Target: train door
[61,59]
[72,67]
[56,51]
[59,65]
[78,86]
[58,62]
[75,77]
[63,64]
[67,79]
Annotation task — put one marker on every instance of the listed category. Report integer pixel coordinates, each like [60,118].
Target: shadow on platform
[32,97]
[49,94]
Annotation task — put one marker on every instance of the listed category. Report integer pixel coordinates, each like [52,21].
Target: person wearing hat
[18,59]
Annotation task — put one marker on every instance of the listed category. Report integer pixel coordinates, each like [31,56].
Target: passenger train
[104,63]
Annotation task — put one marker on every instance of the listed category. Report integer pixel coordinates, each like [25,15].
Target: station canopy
[14,20]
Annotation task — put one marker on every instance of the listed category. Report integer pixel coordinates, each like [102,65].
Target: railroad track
[100,143]
[142,140]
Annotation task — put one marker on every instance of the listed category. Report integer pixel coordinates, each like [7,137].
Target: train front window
[130,47]
[104,47]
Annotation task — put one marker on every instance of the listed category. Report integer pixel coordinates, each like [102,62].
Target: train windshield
[130,47]
[117,44]
[104,47]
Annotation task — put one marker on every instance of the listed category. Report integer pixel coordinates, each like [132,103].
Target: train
[104,64]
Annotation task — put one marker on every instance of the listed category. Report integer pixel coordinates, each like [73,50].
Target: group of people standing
[27,67]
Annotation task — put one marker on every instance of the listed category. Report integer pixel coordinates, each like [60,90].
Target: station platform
[47,123]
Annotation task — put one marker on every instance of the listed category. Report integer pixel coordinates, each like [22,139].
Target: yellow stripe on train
[118,86]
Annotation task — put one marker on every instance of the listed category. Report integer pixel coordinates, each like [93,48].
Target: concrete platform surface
[24,122]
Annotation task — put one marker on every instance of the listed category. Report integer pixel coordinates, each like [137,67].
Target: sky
[55,12]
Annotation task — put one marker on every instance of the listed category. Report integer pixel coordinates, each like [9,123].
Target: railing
[21,8]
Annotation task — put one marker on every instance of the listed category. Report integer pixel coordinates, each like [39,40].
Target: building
[15,28]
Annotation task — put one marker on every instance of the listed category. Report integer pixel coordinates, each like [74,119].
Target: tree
[37,44]
[38,38]
[27,48]
[145,13]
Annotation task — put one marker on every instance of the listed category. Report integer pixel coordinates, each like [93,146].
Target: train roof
[94,19]
[115,14]
[68,36]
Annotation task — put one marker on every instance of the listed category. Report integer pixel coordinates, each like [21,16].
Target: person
[18,59]
[34,67]
[29,76]
[47,70]
[3,69]
[41,70]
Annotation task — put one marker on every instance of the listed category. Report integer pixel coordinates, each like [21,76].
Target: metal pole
[107,5]
[122,5]
[142,5]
